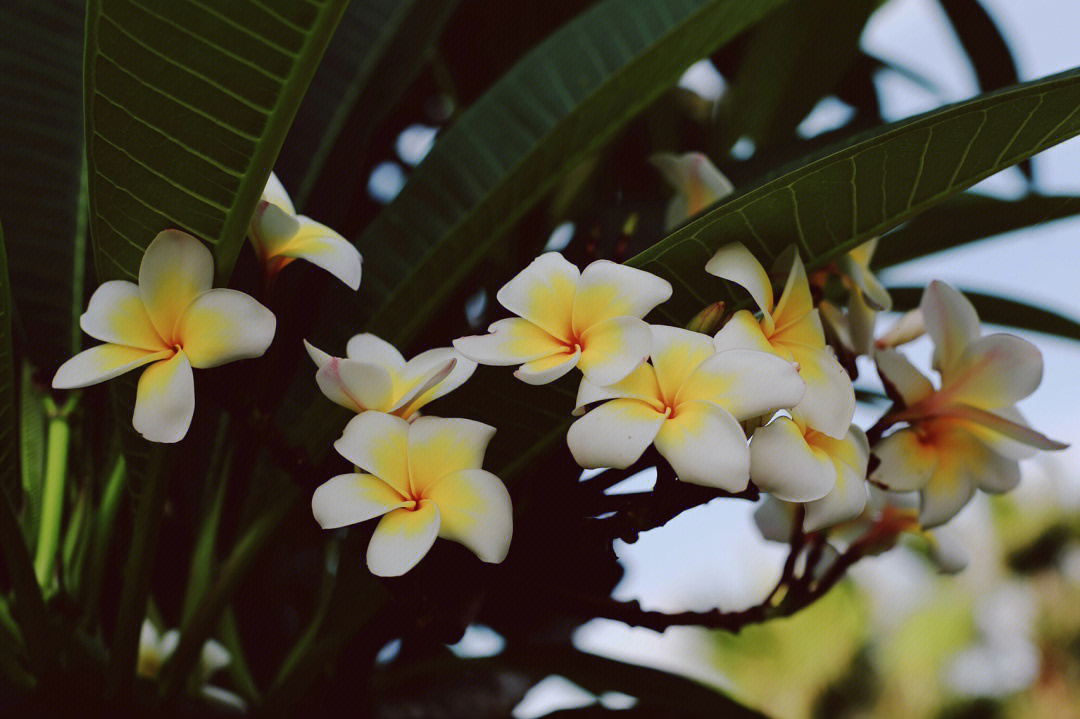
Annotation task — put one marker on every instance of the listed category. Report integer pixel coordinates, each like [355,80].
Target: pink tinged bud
[708,320]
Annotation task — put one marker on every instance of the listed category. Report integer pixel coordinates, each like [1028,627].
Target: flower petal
[615,434]
[897,372]
[408,403]
[366,347]
[946,551]
[862,319]
[426,365]
[676,353]
[998,424]
[378,443]
[543,293]
[853,450]
[734,263]
[951,487]
[612,349]
[908,328]
[695,179]
[869,287]
[952,323]
[356,386]
[907,463]
[439,446]
[548,369]
[1001,443]
[639,384]
[844,502]
[829,402]
[510,341]
[795,302]
[402,539]
[774,518]
[272,230]
[324,248]
[103,362]
[995,371]
[221,326]
[176,269]
[476,511]
[116,314]
[317,355]
[607,289]
[744,382]
[275,192]
[742,332]
[785,466]
[165,400]
[353,498]
[705,445]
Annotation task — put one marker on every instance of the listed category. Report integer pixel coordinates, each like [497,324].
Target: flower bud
[708,320]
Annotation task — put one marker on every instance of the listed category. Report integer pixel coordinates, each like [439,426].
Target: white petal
[317,355]
[696,180]
[676,353]
[378,443]
[829,402]
[366,347]
[176,269]
[275,193]
[607,289]
[952,323]
[510,341]
[439,446]
[613,348]
[325,248]
[944,496]
[543,293]
[908,328]
[165,400]
[419,370]
[906,463]
[615,434]
[746,383]
[639,384]
[947,552]
[103,362]
[272,230]
[844,502]
[995,371]
[212,658]
[861,322]
[356,386]
[417,390]
[402,539]
[774,519]
[785,466]
[735,263]
[705,445]
[116,315]
[476,511]
[994,423]
[875,294]
[548,369]
[352,498]
[742,332]
[221,326]
[1000,443]
[908,382]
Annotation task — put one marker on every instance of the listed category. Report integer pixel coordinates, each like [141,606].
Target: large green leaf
[187,104]
[10,478]
[562,101]
[968,218]
[868,186]
[40,160]
[379,48]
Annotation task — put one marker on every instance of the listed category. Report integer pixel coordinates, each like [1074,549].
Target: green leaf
[968,218]
[41,160]
[187,104]
[31,454]
[866,187]
[378,50]
[9,421]
[561,102]
[999,310]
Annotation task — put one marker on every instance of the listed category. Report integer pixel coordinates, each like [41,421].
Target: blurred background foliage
[453,142]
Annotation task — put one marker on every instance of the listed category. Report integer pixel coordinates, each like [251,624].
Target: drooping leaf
[187,105]
[968,218]
[377,51]
[40,166]
[31,455]
[994,309]
[564,100]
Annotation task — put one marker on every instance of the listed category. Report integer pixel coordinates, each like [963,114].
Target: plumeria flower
[425,482]
[795,463]
[866,297]
[172,321]
[689,403]
[374,376]
[279,236]
[908,328]
[967,434]
[566,319]
[697,184]
[790,328]
[155,648]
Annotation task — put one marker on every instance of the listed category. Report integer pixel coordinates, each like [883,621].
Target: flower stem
[52,508]
[103,526]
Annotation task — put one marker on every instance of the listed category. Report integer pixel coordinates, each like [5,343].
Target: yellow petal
[705,445]
[103,362]
[844,502]
[735,263]
[378,443]
[165,400]
[176,269]
[221,326]
[439,446]
[548,369]
[272,230]
[746,383]
[116,314]
[640,384]
[907,462]
[896,370]
[275,192]
[743,332]
[543,293]
[324,248]
[783,464]
[356,386]
[613,348]
[796,301]
[511,341]
[607,289]
[806,330]
[853,450]
[475,510]
[615,434]
[696,180]
[353,498]
[676,353]
[402,539]
[422,368]
[317,355]
[829,402]
[994,371]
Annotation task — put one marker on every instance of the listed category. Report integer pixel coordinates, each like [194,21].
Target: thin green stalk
[229,634]
[52,507]
[103,529]
[29,607]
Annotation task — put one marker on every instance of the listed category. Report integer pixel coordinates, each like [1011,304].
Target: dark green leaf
[561,102]
[968,218]
[998,310]
[40,160]
[31,455]
[187,105]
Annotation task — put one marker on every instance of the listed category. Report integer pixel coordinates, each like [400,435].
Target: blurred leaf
[40,163]
[789,66]
[555,107]
[9,443]
[378,49]
[967,218]
[1000,311]
[186,109]
[867,186]
[31,454]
